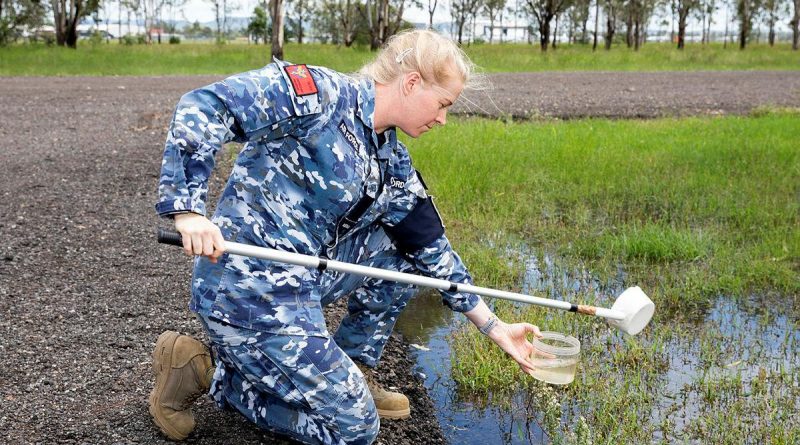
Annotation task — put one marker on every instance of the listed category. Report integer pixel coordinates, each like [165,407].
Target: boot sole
[162,363]
[395,414]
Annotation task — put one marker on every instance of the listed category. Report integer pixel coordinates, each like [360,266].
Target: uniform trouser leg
[373,304]
[304,387]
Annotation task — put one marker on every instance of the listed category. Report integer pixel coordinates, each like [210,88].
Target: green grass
[198,58]
[709,203]
[691,209]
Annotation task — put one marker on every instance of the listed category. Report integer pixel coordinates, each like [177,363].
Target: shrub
[174,40]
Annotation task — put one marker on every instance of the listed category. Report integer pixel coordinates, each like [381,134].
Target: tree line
[345,22]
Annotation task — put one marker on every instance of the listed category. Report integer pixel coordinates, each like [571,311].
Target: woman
[322,173]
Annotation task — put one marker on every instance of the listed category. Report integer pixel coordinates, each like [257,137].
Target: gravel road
[85,290]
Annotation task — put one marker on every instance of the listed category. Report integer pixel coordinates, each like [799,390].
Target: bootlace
[189,400]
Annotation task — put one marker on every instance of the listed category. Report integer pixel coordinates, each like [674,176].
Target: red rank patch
[302,82]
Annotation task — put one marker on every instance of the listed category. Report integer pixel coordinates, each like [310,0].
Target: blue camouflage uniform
[311,156]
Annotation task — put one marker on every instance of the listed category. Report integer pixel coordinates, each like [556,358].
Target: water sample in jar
[555,358]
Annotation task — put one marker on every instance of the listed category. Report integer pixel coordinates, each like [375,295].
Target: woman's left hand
[512,338]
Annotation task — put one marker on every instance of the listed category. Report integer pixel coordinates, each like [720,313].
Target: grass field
[194,58]
[692,210]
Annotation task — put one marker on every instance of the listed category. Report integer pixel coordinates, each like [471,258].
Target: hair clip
[403,53]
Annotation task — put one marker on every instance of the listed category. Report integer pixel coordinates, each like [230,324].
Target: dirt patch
[572,95]
[85,289]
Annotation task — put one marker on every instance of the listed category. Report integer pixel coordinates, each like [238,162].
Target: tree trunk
[555,34]
[544,33]
[72,25]
[610,27]
[585,27]
[744,18]
[771,36]
[277,28]
[431,12]
[629,29]
[683,13]
[703,26]
[636,33]
[795,23]
[596,21]
[300,22]
[268,10]
[65,18]
[59,20]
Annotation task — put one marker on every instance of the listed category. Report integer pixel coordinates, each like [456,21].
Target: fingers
[533,329]
[200,236]
[525,364]
[218,243]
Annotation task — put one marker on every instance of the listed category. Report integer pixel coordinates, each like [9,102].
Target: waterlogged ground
[726,374]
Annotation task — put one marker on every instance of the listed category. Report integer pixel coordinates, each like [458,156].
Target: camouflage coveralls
[311,154]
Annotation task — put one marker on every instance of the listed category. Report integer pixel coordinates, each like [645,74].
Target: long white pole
[174,238]
[390,275]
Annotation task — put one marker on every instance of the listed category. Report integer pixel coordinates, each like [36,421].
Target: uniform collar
[366,112]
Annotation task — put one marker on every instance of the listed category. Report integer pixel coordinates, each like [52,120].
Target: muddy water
[733,338]
[429,324]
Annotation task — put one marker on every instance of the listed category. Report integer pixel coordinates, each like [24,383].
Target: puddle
[735,340]
[426,322]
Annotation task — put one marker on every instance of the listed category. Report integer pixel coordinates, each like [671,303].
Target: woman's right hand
[200,236]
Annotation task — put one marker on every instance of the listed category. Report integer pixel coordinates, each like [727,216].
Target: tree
[336,20]
[596,21]
[612,8]
[459,11]
[66,16]
[276,14]
[258,24]
[708,7]
[492,8]
[795,24]
[383,19]
[578,16]
[16,14]
[300,11]
[131,6]
[544,11]
[773,9]
[684,8]
[217,4]
[431,11]
[745,11]
[638,15]
[196,30]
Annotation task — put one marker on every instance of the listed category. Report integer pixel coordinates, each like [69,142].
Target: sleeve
[259,104]
[414,224]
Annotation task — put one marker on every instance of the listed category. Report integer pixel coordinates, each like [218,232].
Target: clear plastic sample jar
[555,358]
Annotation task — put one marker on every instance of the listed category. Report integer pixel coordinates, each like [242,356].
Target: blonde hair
[434,56]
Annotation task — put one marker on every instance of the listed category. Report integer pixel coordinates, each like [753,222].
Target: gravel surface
[632,95]
[85,290]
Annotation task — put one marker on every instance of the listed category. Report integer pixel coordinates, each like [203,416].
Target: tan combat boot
[391,405]
[182,366]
